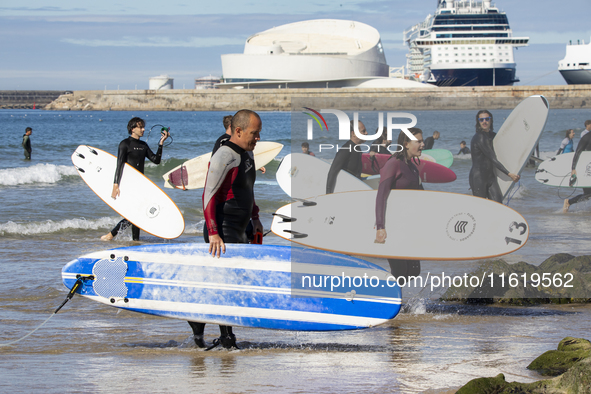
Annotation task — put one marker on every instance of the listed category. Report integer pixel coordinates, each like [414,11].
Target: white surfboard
[420,225]
[303,176]
[141,201]
[556,171]
[192,173]
[518,137]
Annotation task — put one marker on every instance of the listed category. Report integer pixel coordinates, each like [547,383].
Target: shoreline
[429,98]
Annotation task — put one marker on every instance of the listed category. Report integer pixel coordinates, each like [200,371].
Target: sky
[121,44]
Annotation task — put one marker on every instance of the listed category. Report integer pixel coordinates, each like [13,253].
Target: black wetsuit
[348,159]
[583,145]
[464,151]
[483,180]
[133,152]
[27,146]
[429,142]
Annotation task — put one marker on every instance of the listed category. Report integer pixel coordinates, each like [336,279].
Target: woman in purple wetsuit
[399,172]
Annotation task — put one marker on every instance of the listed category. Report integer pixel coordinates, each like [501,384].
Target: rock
[556,362]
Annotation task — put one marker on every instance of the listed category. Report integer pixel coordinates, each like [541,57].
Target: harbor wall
[24,99]
[431,98]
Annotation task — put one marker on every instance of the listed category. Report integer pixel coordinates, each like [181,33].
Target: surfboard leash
[79,281]
[512,194]
[163,128]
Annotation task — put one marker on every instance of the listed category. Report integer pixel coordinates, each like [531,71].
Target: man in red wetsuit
[228,199]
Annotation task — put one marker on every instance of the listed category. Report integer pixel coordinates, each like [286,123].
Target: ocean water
[49,216]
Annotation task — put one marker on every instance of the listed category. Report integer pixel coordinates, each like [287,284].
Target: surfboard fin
[296,234]
[307,203]
[285,218]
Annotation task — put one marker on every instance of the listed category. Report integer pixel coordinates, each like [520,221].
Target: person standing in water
[483,180]
[566,146]
[399,172]
[27,143]
[134,152]
[583,146]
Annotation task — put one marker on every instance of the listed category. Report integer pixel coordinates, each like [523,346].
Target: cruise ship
[576,65]
[466,43]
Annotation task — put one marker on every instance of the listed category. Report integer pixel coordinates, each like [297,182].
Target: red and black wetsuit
[397,174]
[133,152]
[228,197]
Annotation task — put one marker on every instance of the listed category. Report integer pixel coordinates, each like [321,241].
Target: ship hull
[474,77]
[576,77]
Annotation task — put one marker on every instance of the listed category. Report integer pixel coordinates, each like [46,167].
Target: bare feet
[565,206]
[107,237]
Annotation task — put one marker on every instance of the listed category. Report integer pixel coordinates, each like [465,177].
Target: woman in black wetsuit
[483,180]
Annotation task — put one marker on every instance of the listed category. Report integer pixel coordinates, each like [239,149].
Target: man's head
[305,147]
[463,144]
[588,124]
[135,123]
[28,131]
[436,135]
[484,121]
[356,140]
[228,124]
[246,129]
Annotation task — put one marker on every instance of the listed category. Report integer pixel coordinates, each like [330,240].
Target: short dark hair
[28,129]
[135,122]
[242,119]
[463,142]
[305,145]
[587,122]
[227,121]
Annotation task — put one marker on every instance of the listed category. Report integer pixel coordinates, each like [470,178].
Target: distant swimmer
[134,152]
[27,143]
[483,180]
[347,158]
[464,150]
[306,149]
[399,172]
[566,146]
[430,141]
[583,146]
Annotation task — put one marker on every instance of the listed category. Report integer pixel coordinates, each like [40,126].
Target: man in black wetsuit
[430,141]
[483,180]
[134,152]
[464,150]
[228,200]
[27,143]
[583,145]
[347,158]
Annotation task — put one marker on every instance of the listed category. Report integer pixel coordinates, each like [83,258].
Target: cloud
[193,42]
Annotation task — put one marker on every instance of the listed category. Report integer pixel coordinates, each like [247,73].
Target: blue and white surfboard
[265,286]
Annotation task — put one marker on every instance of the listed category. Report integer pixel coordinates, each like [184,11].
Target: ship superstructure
[466,43]
[576,65]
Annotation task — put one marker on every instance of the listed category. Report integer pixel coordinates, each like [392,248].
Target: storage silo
[161,82]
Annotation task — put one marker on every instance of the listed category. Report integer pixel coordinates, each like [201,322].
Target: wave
[49,226]
[39,173]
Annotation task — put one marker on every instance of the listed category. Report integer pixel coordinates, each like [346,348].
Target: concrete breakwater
[23,99]
[430,98]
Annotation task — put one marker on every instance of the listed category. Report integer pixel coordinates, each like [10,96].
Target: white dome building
[316,53]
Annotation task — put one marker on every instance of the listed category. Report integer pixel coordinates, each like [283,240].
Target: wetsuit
[566,146]
[27,146]
[346,159]
[397,174]
[583,145]
[464,151]
[429,142]
[133,152]
[483,180]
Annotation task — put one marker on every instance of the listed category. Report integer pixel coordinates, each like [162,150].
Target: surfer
[566,146]
[399,172]
[226,136]
[228,199]
[464,150]
[483,180]
[134,152]
[583,146]
[306,149]
[430,141]
[27,143]
[347,158]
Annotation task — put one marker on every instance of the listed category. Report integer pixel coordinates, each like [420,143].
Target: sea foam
[50,226]
[39,173]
